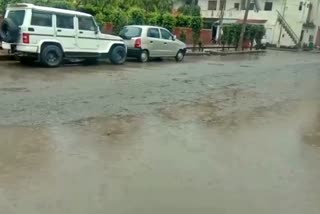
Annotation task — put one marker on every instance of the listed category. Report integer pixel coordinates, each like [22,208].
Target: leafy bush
[119,19]
[137,16]
[196,25]
[168,21]
[154,19]
[231,33]
[183,21]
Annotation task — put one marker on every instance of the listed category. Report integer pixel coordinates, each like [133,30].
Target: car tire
[9,31]
[180,56]
[27,60]
[118,55]
[144,56]
[51,56]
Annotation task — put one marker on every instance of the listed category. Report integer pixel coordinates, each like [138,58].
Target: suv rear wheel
[51,56]
[118,55]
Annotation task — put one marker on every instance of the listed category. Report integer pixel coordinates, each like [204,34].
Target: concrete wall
[293,16]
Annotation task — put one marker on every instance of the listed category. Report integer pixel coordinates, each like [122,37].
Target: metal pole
[283,13]
[244,24]
[221,23]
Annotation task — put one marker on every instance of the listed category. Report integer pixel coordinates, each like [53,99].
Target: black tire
[27,60]
[180,56]
[118,55]
[144,56]
[51,56]
[9,31]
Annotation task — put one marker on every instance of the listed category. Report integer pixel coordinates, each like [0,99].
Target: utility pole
[244,24]
[283,13]
[221,23]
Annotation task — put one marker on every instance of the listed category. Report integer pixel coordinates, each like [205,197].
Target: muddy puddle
[181,160]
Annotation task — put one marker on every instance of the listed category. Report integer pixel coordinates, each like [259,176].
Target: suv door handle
[59,30]
[151,41]
[80,31]
[165,43]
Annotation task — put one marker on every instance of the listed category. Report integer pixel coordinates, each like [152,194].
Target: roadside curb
[236,52]
[284,49]
[220,53]
[198,54]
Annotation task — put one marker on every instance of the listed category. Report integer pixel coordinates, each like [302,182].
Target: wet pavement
[233,135]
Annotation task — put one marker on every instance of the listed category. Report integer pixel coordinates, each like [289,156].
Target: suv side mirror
[174,37]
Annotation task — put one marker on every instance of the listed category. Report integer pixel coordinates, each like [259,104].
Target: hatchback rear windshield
[17,16]
[130,32]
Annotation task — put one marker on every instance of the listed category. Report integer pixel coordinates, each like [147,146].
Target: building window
[251,7]
[311,38]
[222,4]
[300,5]
[237,6]
[268,6]
[243,4]
[212,5]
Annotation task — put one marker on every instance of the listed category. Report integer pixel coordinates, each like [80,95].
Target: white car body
[76,33]
[144,42]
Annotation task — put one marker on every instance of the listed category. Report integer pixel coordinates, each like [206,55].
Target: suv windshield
[17,16]
[130,32]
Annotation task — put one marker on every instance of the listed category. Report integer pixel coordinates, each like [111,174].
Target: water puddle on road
[181,160]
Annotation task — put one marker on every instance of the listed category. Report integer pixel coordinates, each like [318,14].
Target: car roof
[144,26]
[46,9]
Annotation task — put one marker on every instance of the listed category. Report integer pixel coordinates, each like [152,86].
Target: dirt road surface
[227,135]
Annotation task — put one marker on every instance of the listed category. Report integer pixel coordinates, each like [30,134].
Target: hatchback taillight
[26,38]
[137,43]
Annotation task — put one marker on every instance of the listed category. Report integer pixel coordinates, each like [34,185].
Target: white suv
[50,35]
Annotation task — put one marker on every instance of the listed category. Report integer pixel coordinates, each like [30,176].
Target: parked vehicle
[145,42]
[50,35]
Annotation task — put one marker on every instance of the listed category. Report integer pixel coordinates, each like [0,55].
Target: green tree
[168,21]
[183,21]
[154,18]
[196,25]
[137,16]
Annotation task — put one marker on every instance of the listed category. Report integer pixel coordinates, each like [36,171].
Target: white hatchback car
[50,35]
[144,42]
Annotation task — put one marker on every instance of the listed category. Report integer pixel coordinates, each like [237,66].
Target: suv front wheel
[51,56]
[118,55]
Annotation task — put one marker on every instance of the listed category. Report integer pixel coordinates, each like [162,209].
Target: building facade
[287,22]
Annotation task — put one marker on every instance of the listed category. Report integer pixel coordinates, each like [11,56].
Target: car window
[86,23]
[153,33]
[17,16]
[130,32]
[41,19]
[166,34]
[64,21]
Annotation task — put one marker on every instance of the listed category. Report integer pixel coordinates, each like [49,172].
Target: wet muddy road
[231,135]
